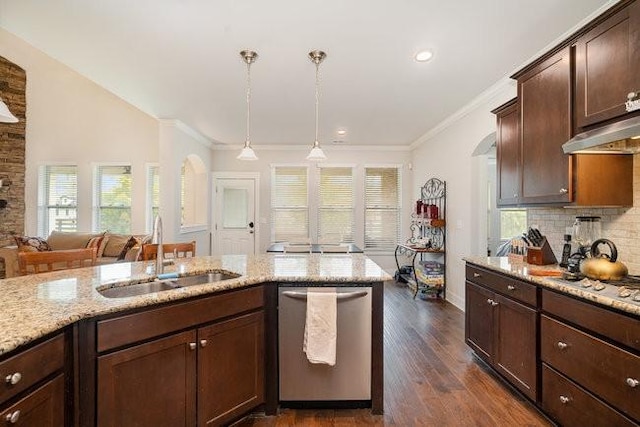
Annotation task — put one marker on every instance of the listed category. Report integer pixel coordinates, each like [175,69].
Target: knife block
[541,255]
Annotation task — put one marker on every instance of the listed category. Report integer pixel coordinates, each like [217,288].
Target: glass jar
[586,230]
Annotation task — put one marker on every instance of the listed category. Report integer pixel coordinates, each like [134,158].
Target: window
[382,208]
[112,207]
[513,222]
[153,194]
[289,208]
[335,204]
[57,198]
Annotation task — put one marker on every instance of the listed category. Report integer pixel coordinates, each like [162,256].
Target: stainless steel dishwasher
[349,380]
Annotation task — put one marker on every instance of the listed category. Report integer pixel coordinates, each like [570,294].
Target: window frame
[96,206]
[273,168]
[43,207]
[319,207]
[399,219]
[149,184]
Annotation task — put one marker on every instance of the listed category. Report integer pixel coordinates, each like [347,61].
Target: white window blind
[335,205]
[289,204]
[57,198]
[153,194]
[113,198]
[382,208]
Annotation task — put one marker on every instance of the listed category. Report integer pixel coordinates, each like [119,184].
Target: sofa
[110,247]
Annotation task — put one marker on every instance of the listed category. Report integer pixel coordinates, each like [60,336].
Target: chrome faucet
[157,239]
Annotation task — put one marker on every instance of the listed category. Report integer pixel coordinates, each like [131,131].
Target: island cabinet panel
[44,407]
[501,326]
[151,384]
[544,93]
[607,62]
[508,153]
[31,366]
[230,369]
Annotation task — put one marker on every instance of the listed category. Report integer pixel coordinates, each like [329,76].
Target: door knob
[251,224]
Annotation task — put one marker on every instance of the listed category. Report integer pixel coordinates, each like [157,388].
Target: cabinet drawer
[31,366]
[616,326]
[570,405]
[128,329]
[607,371]
[506,285]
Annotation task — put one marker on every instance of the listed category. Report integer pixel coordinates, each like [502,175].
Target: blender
[586,230]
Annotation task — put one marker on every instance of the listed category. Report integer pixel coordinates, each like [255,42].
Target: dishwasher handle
[341,296]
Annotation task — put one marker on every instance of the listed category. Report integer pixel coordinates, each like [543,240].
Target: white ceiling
[178,59]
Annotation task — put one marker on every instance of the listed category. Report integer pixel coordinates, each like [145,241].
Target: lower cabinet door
[570,405]
[515,349]
[43,407]
[230,369]
[151,384]
[479,320]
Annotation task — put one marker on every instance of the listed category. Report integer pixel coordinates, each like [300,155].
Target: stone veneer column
[13,82]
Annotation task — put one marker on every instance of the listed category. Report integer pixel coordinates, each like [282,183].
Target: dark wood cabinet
[151,384]
[544,93]
[592,361]
[230,368]
[607,60]
[32,392]
[43,407]
[200,362]
[501,329]
[508,153]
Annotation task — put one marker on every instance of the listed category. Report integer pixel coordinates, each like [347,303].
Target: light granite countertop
[39,304]
[608,296]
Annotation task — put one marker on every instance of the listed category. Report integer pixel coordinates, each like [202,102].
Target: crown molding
[327,148]
[177,124]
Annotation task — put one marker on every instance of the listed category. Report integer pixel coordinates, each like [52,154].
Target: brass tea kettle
[602,266]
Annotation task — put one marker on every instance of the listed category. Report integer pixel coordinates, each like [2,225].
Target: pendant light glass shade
[5,114]
[247,152]
[316,154]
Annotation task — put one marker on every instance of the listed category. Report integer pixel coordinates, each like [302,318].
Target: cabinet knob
[511,287]
[13,417]
[562,345]
[515,195]
[203,343]
[192,346]
[564,399]
[13,379]
[492,302]
[564,191]
[476,275]
[632,382]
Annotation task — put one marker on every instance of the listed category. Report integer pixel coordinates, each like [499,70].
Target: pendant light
[247,152]
[5,114]
[316,154]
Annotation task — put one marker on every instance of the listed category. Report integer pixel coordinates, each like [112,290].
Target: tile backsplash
[620,225]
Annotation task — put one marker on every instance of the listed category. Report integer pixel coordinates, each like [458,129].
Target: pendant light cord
[317,99]
[247,141]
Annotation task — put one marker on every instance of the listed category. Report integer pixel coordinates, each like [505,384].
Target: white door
[235,223]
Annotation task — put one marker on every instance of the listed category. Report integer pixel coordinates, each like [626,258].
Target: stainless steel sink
[165,285]
[203,278]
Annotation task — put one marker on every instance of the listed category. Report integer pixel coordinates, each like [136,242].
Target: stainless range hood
[622,137]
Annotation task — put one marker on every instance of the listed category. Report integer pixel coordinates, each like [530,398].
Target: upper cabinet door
[607,67]
[544,93]
[508,153]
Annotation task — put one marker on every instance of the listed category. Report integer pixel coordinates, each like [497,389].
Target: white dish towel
[320,328]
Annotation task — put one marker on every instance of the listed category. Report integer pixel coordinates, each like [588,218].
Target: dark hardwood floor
[431,377]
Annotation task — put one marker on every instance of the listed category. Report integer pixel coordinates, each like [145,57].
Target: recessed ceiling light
[341,132]
[424,56]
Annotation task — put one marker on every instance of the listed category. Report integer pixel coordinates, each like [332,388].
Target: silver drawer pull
[492,302]
[476,275]
[192,346]
[632,382]
[511,287]
[13,417]
[562,345]
[564,399]
[13,379]
[203,343]
[563,191]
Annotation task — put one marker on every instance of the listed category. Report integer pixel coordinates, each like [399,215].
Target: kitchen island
[98,333]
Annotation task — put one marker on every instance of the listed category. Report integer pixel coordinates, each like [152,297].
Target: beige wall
[622,226]
[70,119]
